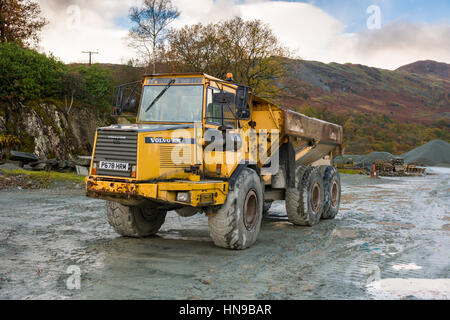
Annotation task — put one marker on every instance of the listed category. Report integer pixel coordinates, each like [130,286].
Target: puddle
[388,289]
[411,266]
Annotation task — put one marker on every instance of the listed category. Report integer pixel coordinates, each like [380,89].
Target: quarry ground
[389,241]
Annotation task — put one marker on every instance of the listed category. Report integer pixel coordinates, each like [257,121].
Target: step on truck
[202,145]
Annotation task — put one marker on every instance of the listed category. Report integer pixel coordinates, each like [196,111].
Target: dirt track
[390,238]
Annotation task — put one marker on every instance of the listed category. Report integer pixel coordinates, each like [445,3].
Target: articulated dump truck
[202,145]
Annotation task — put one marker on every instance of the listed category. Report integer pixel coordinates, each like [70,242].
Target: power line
[90,55]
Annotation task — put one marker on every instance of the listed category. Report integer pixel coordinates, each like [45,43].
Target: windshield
[178,104]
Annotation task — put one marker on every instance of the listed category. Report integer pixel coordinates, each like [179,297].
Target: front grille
[116,146]
[180,158]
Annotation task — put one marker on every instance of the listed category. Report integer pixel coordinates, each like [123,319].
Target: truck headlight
[184,197]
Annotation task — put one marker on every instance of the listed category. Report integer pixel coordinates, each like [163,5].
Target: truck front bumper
[195,194]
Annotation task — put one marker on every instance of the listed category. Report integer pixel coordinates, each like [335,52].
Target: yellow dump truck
[202,145]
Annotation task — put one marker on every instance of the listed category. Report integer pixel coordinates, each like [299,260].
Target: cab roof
[187,74]
[207,76]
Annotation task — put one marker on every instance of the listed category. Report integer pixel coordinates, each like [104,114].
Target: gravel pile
[435,153]
[347,159]
[377,156]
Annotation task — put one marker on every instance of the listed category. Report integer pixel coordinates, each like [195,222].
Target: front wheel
[237,223]
[134,221]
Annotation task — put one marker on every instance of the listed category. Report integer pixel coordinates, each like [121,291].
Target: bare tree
[150,26]
[248,49]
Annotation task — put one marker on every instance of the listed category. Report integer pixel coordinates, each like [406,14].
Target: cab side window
[214,113]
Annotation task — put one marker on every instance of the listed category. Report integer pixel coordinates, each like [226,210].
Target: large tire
[332,186]
[134,221]
[237,223]
[304,203]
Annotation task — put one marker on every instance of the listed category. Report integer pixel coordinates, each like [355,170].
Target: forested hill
[381,110]
[400,95]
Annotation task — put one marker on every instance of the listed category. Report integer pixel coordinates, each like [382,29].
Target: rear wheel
[332,186]
[304,203]
[134,221]
[237,223]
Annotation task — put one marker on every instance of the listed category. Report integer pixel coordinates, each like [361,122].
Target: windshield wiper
[160,94]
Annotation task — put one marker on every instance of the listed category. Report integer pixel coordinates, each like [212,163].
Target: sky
[378,33]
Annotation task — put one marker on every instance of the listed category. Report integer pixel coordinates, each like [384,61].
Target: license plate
[116,166]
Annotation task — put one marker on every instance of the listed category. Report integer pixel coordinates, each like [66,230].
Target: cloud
[394,45]
[205,11]
[309,31]
[82,25]
[303,27]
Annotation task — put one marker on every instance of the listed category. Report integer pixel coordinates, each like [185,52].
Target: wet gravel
[389,241]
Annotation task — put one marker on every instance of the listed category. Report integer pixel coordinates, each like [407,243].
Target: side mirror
[125,98]
[130,104]
[242,102]
[223,97]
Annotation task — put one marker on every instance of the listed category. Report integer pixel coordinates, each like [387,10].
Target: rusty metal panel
[313,154]
[299,125]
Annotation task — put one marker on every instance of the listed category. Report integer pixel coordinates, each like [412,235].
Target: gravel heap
[377,156]
[435,153]
[347,158]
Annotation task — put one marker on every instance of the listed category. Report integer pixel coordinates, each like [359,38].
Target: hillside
[380,110]
[344,88]
[428,67]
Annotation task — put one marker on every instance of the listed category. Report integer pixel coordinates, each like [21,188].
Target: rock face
[49,130]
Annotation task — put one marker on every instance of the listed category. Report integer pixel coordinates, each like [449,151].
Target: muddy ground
[390,241]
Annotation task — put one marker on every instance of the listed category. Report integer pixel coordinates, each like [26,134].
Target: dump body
[325,137]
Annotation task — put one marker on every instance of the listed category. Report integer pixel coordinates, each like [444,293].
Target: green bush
[26,74]
[94,84]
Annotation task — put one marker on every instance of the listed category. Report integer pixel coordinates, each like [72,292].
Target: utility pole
[90,55]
